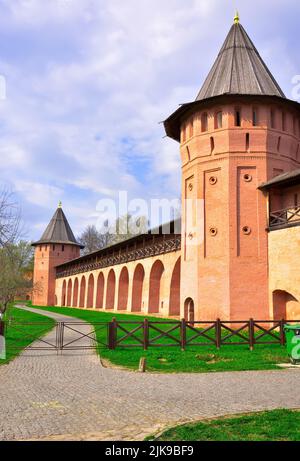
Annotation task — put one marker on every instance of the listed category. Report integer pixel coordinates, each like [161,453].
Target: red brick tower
[57,246]
[240,132]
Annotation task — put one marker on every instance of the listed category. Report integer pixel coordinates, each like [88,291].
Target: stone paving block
[72,397]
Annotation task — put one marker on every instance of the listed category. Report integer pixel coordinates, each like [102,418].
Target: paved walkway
[72,397]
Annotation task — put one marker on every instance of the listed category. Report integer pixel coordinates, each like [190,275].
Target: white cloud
[11,155]
[39,13]
[82,113]
[37,193]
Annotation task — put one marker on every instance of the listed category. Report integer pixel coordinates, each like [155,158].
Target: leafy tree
[16,264]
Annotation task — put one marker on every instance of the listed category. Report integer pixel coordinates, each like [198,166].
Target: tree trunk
[3,309]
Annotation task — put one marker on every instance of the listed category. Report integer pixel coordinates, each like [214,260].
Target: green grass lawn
[277,425]
[173,359]
[21,335]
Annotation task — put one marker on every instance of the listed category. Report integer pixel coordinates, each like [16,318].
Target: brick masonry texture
[72,397]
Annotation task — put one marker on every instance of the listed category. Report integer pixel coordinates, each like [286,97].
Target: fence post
[146,334]
[59,338]
[112,334]
[142,365]
[218,333]
[251,334]
[62,335]
[282,335]
[183,334]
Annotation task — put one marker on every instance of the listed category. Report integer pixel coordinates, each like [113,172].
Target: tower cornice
[173,123]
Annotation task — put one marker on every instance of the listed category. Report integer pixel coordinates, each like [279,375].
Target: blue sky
[88,82]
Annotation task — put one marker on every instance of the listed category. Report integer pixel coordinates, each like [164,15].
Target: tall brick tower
[56,246]
[240,132]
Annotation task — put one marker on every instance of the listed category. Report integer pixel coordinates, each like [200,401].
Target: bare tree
[125,227]
[93,240]
[10,218]
[129,226]
[15,258]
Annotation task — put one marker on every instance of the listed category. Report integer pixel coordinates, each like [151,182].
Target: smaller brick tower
[56,246]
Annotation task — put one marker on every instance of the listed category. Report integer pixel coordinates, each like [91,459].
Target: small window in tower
[204,122]
[272,118]
[247,141]
[296,200]
[53,247]
[183,132]
[212,144]
[279,144]
[63,248]
[40,248]
[191,128]
[237,117]
[283,121]
[255,117]
[218,120]
[188,153]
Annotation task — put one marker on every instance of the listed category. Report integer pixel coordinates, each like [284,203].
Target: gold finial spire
[59,204]
[237,18]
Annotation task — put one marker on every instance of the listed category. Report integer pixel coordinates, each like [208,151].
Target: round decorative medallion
[213,180]
[246,230]
[191,187]
[247,177]
[191,236]
[213,231]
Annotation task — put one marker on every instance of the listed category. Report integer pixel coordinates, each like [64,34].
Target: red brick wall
[226,272]
[47,257]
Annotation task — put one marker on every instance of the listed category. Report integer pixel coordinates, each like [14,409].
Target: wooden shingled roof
[239,69]
[58,231]
[238,72]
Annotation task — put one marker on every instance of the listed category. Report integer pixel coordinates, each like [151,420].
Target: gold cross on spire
[237,18]
[59,204]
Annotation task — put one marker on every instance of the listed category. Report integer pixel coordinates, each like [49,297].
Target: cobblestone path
[72,397]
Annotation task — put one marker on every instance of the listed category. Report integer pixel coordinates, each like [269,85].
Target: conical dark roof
[239,69]
[58,230]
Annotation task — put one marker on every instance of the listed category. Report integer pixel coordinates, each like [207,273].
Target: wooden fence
[147,334]
[184,334]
